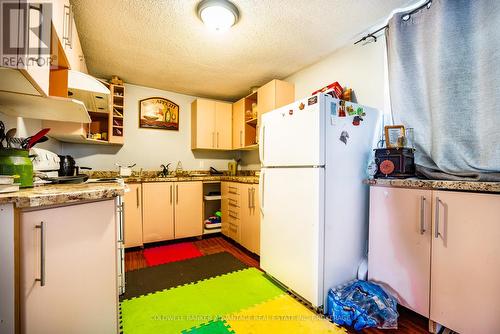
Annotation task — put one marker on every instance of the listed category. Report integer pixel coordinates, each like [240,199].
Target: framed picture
[392,134]
[158,113]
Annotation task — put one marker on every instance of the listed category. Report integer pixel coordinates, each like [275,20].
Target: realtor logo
[25,33]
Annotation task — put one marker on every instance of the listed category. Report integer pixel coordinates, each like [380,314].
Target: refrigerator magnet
[333,113]
[350,110]
[356,120]
[360,111]
[312,100]
[301,106]
[342,111]
[343,136]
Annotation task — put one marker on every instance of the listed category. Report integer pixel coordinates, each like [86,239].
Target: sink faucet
[164,170]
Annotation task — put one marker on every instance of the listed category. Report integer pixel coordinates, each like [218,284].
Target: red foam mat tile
[171,253]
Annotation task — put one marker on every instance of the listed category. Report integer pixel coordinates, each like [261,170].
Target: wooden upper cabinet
[60,18]
[188,209]
[67,33]
[211,124]
[466,262]
[274,94]
[158,211]
[239,124]
[75,57]
[202,124]
[133,216]
[223,125]
[37,72]
[400,244]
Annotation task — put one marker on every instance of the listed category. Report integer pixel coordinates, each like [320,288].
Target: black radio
[395,162]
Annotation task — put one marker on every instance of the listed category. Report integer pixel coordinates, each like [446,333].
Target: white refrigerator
[314,206]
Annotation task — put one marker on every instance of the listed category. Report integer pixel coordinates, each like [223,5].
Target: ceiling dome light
[218,14]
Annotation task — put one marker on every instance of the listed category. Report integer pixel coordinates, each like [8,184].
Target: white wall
[27,127]
[150,148]
[360,67]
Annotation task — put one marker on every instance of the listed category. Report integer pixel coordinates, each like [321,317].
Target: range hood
[20,97]
[89,90]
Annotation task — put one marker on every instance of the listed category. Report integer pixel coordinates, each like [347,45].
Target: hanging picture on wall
[158,113]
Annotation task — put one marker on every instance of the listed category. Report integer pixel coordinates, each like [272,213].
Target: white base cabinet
[68,278]
[399,252]
[439,253]
[465,280]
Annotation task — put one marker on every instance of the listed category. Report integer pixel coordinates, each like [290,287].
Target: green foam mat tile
[212,327]
[165,276]
[177,309]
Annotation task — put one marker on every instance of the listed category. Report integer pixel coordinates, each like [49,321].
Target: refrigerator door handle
[262,143]
[261,191]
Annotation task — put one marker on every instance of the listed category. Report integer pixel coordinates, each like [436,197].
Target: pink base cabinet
[68,274]
[439,253]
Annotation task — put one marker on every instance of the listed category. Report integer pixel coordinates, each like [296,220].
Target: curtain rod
[405,17]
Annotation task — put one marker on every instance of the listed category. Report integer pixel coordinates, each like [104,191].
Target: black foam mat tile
[151,279]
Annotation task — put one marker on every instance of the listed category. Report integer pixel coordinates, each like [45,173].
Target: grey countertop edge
[59,195]
[469,186]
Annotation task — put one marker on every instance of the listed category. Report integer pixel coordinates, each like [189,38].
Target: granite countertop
[207,178]
[472,186]
[62,194]
[247,176]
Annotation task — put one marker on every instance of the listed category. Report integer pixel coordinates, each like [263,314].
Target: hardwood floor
[408,322]
[134,258]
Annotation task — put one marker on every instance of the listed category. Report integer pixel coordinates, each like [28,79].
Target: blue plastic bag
[362,304]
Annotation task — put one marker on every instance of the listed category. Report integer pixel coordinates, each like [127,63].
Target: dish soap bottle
[178,169]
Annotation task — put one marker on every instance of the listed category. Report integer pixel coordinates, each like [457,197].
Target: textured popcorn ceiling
[163,44]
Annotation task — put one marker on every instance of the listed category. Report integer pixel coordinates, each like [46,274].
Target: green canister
[15,161]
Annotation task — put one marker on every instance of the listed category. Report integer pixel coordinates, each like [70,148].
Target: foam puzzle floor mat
[170,253]
[151,279]
[214,294]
